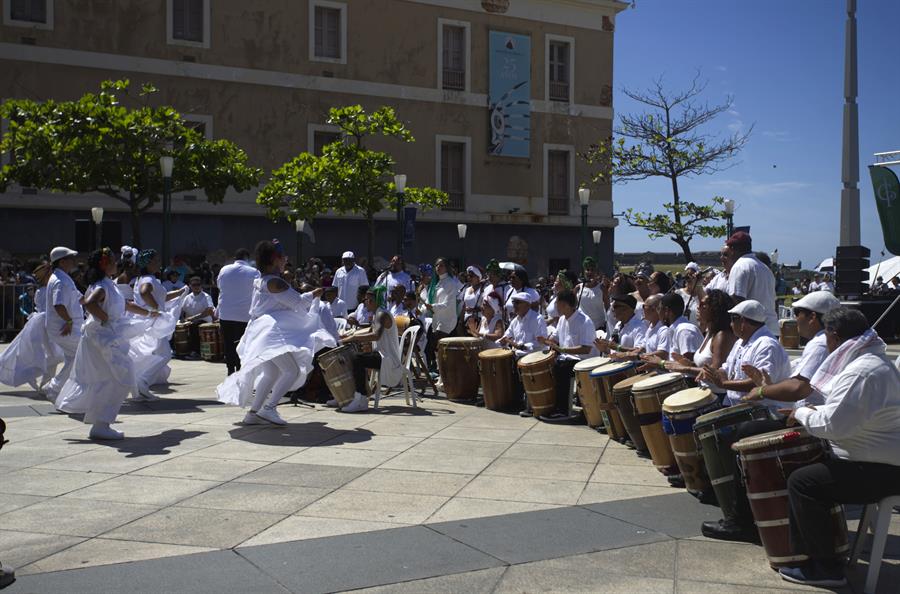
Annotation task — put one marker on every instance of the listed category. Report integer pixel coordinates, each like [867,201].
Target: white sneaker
[271,415]
[359,404]
[332,403]
[146,394]
[251,418]
[105,432]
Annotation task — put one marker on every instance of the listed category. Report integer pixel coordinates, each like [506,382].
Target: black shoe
[643,454]
[526,413]
[676,480]
[816,573]
[729,530]
[7,576]
[558,418]
[706,497]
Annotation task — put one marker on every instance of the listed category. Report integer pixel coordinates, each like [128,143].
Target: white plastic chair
[407,349]
[878,517]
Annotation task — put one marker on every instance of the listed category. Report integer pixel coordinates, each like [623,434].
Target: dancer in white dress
[102,375]
[277,348]
[64,315]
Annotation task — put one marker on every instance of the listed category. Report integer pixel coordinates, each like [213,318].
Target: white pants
[69,346]
[275,378]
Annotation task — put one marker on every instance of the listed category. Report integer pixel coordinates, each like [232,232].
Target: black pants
[431,346]
[231,336]
[361,363]
[813,490]
[562,375]
[748,429]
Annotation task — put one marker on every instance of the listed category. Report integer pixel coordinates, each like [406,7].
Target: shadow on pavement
[147,445]
[302,435]
[168,405]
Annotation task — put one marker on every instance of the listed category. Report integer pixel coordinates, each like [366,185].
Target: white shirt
[348,284]
[575,331]
[764,352]
[814,354]
[485,327]
[861,414]
[170,286]
[398,309]
[444,306]
[719,281]
[61,290]
[362,315]
[326,317]
[235,284]
[654,337]
[751,279]
[525,330]
[681,337]
[592,305]
[192,305]
[631,332]
[392,279]
[826,286]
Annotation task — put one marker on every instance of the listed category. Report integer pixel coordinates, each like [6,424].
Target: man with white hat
[64,315]
[348,279]
[524,329]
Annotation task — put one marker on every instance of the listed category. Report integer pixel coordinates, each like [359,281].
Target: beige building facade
[264,74]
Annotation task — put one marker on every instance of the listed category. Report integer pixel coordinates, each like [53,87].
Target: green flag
[887,199]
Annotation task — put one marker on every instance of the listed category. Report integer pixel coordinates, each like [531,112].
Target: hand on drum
[759,377]
[714,376]
[791,420]
[604,345]
[682,360]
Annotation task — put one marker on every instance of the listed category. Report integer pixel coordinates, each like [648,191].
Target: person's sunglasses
[736,317]
[799,310]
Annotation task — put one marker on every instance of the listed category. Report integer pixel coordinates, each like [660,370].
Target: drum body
[499,381]
[680,412]
[625,404]
[589,390]
[767,460]
[402,324]
[458,364]
[716,432]
[212,347]
[606,377]
[790,335]
[649,395]
[182,340]
[536,371]
[337,368]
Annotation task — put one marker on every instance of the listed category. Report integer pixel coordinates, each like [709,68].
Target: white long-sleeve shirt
[764,352]
[235,284]
[631,332]
[525,330]
[61,290]
[681,337]
[751,279]
[444,316]
[861,413]
[192,304]
[575,331]
[348,284]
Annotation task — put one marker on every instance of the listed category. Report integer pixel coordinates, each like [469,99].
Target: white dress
[391,371]
[280,324]
[471,300]
[103,374]
[704,357]
[150,350]
[31,355]
[486,328]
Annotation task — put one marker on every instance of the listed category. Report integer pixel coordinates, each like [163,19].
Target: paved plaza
[445,498]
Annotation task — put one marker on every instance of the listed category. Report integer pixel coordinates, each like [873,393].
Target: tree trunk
[685,249]
[135,223]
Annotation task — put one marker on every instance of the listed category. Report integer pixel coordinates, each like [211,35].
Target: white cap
[521,296]
[750,309]
[820,302]
[473,270]
[692,266]
[348,256]
[58,253]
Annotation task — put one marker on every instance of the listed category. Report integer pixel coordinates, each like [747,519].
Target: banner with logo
[409,226]
[510,94]
[887,199]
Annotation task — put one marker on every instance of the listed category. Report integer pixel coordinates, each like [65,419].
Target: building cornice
[585,14]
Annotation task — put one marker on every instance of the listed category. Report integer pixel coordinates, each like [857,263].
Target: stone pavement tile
[197,467]
[247,496]
[377,507]
[105,460]
[303,475]
[243,450]
[9,502]
[493,420]
[679,514]
[545,534]
[572,436]
[481,433]
[692,587]
[626,457]
[306,527]
[18,549]
[628,475]
[17,435]
[459,447]
[435,462]
[340,457]
[482,580]
[35,481]
[196,526]
[602,492]
[25,455]
[217,572]
[566,471]
[401,554]
[464,508]
[99,551]
[387,443]
[385,480]
[534,490]
[553,453]
[73,517]
[410,428]
[143,490]
[22,410]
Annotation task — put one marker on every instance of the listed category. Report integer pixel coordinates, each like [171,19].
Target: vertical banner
[887,199]
[510,94]
[409,225]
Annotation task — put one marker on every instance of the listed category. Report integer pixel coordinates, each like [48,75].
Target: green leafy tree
[96,144]
[669,140]
[348,177]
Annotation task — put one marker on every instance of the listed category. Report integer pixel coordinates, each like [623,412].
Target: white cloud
[755,189]
[778,135]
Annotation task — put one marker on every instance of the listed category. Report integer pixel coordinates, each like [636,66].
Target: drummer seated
[572,339]
[523,332]
[396,306]
[680,338]
[196,308]
[629,326]
[654,337]
[326,313]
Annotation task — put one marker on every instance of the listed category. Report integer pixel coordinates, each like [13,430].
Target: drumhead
[772,438]
[626,384]
[537,357]
[738,410]
[495,354]
[613,368]
[664,379]
[687,400]
[461,341]
[593,362]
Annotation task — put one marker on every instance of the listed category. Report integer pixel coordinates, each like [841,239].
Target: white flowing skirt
[102,376]
[269,336]
[30,355]
[149,349]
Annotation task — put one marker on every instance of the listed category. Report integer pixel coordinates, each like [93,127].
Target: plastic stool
[880,514]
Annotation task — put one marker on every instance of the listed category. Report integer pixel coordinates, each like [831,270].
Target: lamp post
[97,216]
[300,225]
[166,163]
[400,186]
[461,231]
[598,234]
[729,218]
[584,197]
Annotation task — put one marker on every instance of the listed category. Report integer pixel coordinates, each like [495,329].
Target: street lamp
[166,163]
[461,231]
[729,217]
[584,197]
[400,186]
[300,225]
[598,234]
[97,215]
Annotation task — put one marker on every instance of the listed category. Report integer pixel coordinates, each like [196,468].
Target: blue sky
[782,61]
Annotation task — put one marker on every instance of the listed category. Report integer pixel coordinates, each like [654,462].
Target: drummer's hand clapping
[712,375]
[759,377]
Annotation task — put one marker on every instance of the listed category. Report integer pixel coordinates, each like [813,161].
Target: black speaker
[850,265]
[86,235]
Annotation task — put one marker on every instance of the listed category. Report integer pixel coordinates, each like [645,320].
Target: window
[453,55]
[453,174]
[36,14]
[560,68]
[328,31]
[558,182]
[188,23]
[322,138]
[202,124]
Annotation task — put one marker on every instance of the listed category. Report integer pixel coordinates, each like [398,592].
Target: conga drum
[212,347]
[588,389]
[536,371]
[716,432]
[337,368]
[767,460]
[625,404]
[499,381]
[790,334]
[680,412]
[649,395]
[402,324]
[182,340]
[458,364]
[605,377]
